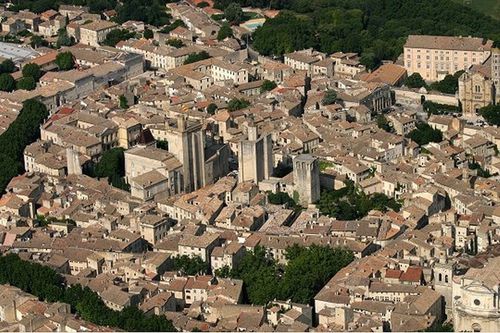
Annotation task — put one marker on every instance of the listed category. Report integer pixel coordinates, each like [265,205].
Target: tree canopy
[424,134]
[148,33]
[448,85]
[194,57]
[267,86]
[117,35]
[65,61]
[225,31]
[491,114]
[63,38]
[375,29]
[329,98]
[21,132]
[26,83]
[415,81]
[49,286]
[212,108]
[32,70]
[7,66]
[175,42]
[237,104]
[382,123]
[307,271]
[190,266]
[7,82]
[348,203]
[233,13]
[112,167]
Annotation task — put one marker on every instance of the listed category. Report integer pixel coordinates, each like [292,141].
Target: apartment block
[434,57]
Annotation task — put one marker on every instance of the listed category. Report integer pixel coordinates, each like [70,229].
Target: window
[477,302]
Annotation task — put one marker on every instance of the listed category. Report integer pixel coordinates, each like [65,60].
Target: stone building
[476,89]
[255,156]
[306,178]
[186,141]
[495,69]
[94,33]
[476,299]
[433,57]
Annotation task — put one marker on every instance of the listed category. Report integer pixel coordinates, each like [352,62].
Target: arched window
[440,277]
[446,278]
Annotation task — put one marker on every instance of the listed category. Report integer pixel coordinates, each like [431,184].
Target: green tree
[473,165]
[309,269]
[195,57]
[190,266]
[212,108]
[123,102]
[267,86]
[348,203]
[32,70]
[37,41]
[175,42]
[177,23]
[225,31]
[415,81]
[22,132]
[7,82]
[162,144]
[148,33]
[49,286]
[237,104]
[65,61]
[7,66]
[424,134]
[117,35]
[281,198]
[233,13]
[63,38]
[491,114]
[26,83]
[203,4]
[112,167]
[382,123]
[448,85]
[329,98]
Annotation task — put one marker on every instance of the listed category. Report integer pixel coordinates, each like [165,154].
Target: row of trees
[22,132]
[307,271]
[348,203]
[436,108]
[49,286]
[194,57]
[375,29]
[448,85]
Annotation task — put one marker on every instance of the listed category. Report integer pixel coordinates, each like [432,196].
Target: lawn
[488,7]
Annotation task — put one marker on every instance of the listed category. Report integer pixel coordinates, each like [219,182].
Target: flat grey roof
[15,52]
